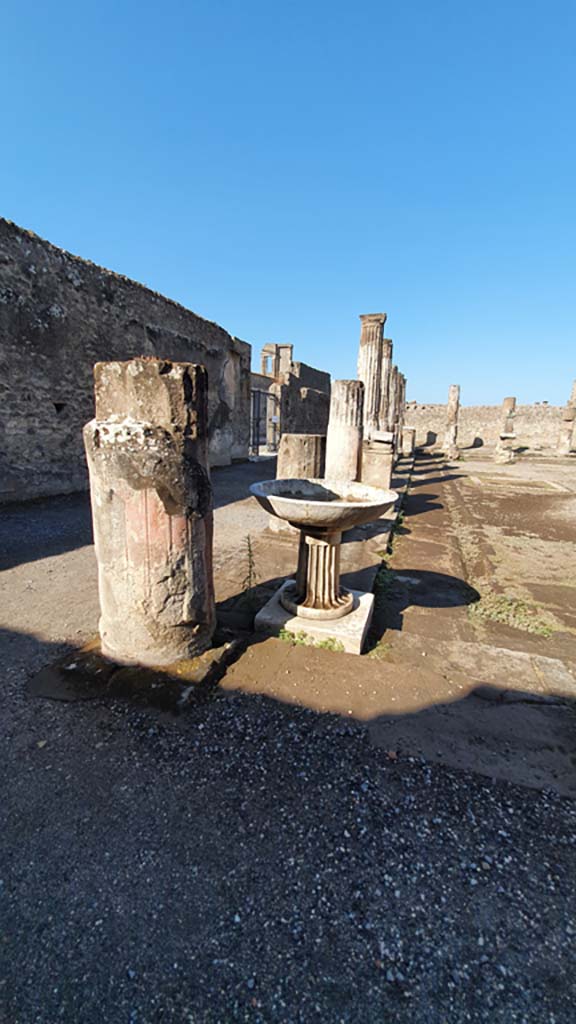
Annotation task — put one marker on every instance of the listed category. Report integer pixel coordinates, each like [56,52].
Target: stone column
[566,430]
[402,403]
[408,441]
[505,446]
[301,456]
[152,510]
[370,368]
[344,439]
[452,410]
[393,399]
[385,383]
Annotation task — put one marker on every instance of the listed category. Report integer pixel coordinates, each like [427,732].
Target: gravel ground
[249,861]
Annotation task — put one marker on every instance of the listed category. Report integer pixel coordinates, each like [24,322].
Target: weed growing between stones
[302,639]
[511,611]
[381,651]
[250,581]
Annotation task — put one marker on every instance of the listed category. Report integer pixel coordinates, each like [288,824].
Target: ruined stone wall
[309,377]
[59,315]
[536,426]
[260,382]
[302,410]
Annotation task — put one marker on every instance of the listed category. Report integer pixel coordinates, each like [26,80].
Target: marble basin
[331,505]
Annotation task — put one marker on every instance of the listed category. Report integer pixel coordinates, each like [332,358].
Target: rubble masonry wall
[536,426]
[59,315]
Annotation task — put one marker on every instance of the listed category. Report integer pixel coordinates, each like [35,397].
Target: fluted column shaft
[384,416]
[344,439]
[370,368]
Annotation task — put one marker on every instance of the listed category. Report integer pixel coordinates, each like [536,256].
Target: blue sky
[281,168]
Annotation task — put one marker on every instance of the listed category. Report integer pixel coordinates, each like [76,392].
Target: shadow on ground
[252,857]
[32,530]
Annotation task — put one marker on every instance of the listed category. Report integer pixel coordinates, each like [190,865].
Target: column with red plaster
[152,510]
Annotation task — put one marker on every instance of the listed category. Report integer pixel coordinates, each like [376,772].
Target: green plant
[250,581]
[382,582]
[510,611]
[301,639]
[381,651]
[329,644]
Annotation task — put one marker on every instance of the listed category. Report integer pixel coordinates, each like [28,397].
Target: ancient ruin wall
[302,410]
[310,377]
[536,426]
[59,315]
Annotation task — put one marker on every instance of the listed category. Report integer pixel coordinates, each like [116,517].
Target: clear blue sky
[282,167]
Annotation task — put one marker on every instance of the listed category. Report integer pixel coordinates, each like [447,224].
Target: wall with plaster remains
[59,315]
[537,426]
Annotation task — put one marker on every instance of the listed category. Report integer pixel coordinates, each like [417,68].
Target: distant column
[408,440]
[566,430]
[152,510]
[370,368]
[393,399]
[344,439]
[505,446]
[387,347]
[402,403]
[452,410]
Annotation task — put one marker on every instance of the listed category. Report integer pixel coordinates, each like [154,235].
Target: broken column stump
[300,457]
[152,510]
[504,452]
[408,441]
[565,439]
[378,460]
[344,439]
[451,434]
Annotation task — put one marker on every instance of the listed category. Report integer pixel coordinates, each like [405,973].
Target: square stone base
[349,631]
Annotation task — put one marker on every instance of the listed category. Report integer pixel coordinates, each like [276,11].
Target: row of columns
[366,429]
[505,445]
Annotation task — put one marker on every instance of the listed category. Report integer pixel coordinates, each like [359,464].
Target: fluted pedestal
[316,592]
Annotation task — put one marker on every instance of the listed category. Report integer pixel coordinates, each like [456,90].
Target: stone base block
[349,632]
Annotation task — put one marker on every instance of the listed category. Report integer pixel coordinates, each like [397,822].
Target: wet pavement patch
[87,674]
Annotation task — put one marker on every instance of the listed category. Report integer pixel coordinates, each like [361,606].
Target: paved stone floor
[328,837]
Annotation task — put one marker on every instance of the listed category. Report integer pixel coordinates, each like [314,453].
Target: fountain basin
[321,510]
[326,505]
